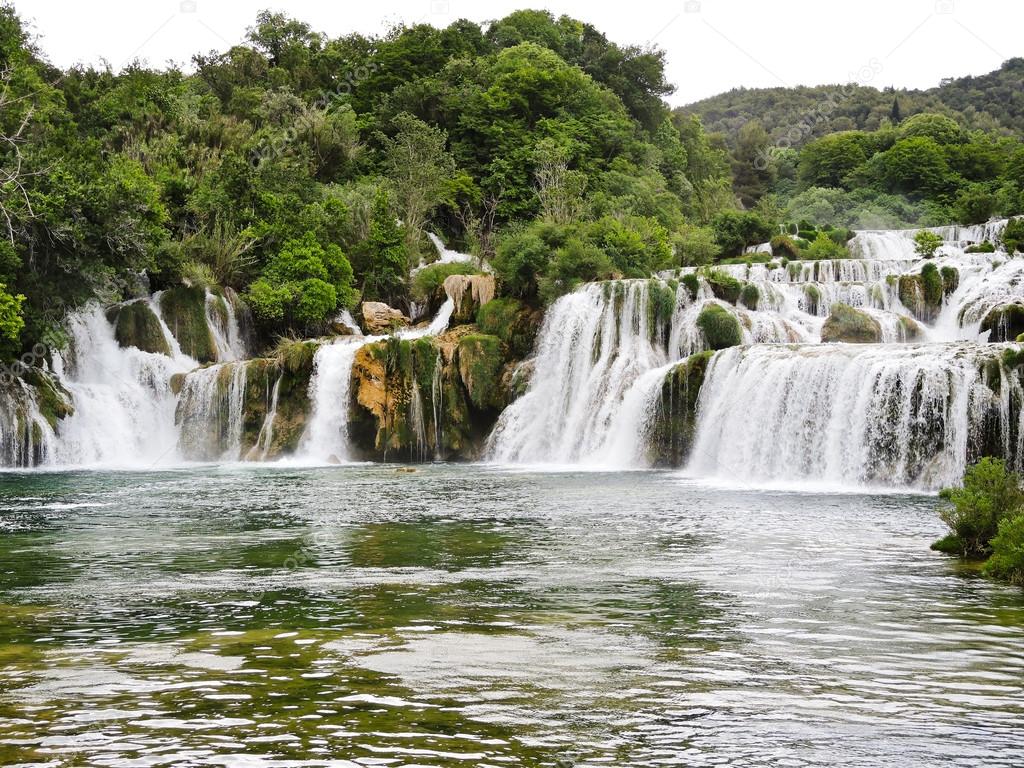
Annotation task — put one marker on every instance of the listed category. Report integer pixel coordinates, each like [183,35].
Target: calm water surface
[471,616]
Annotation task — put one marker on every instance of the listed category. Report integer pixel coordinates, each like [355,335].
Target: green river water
[476,616]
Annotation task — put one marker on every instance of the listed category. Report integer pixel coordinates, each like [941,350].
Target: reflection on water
[355,616]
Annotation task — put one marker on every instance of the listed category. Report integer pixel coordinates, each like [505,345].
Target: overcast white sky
[712,45]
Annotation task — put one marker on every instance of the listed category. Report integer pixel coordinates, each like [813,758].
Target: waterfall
[265,438]
[223,322]
[850,414]
[594,345]
[210,412]
[26,437]
[124,406]
[326,436]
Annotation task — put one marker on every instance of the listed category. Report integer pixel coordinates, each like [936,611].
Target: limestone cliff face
[469,293]
[429,398]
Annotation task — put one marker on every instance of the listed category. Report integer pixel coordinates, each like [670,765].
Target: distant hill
[993,102]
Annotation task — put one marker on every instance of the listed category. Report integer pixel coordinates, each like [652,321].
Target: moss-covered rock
[512,322]
[749,296]
[1004,323]
[183,309]
[674,426]
[53,400]
[850,325]
[136,325]
[922,293]
[723,285]
[481,361]
[433,397]
[910,329]
[950,279]
[720,327]
[692,284]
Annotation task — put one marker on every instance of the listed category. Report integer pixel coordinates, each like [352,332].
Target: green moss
[750,296]
[184,311]
[138,326]
[723,285]
[783,246]
[720,327]
[480,363]
[692,284]
[53,400]
[850,325]
[674,426]
[950,279]
[511,321]
[933,284]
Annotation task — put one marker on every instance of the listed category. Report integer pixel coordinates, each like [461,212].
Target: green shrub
[720,327]
[784,246]
[983,247]
[824,247]
[1013,235]
[735,230]
[1007,561]
[926,243]
[850,325]
[990,493]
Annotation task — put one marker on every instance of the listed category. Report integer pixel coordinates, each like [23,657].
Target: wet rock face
[379,318]
[136,325]
[850,325]
[1004,323]
[675,422]
[429,398]
[184,311]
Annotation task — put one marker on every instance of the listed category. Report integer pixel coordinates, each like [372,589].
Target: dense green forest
[305,172]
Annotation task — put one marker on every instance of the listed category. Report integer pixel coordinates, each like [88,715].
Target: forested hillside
[305,172]
[992,102]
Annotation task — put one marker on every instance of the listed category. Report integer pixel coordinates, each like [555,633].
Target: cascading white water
[124,406]
[326,436]
[223,322]
[594,345]
[210,412]
[908,411]
[843,413]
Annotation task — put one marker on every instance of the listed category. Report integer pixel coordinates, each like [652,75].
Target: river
[464,615]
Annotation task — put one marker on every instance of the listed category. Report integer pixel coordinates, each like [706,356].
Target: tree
[385,279]
[990,494]
[827,161]
[895,114]
[926,243]
[753,173]
[11,322]
[735,230]
[938,128]
[302,285]
[418,167]
[560,190]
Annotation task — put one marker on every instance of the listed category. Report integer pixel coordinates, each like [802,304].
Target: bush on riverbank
[986,519]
